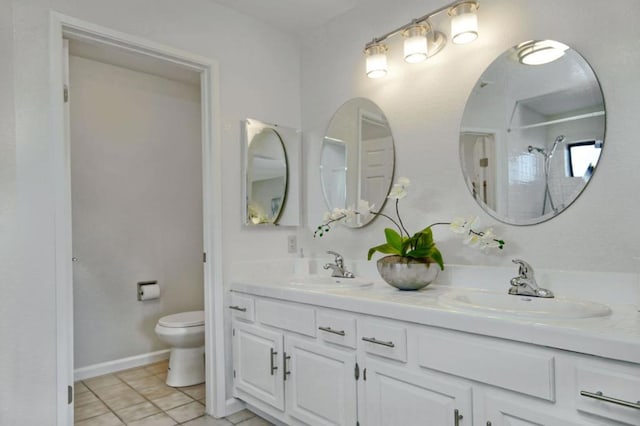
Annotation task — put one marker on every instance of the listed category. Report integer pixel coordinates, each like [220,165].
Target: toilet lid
[183,319]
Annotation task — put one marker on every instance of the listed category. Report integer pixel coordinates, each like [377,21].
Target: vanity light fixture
[539,52]
[415,42]
[421,40]
[464,22]
[376,60]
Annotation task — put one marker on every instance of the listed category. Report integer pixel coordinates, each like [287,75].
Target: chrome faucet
[337,268]
[525,283]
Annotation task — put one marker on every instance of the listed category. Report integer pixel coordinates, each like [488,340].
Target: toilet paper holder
[141,286]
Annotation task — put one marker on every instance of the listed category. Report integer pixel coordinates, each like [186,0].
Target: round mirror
[357,158]
[532,132]
[266,176]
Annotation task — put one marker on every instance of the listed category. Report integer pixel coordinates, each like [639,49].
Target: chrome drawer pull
[599,396]
[379,342]
[237,308]
[285,358]
[331,330]
[272,362]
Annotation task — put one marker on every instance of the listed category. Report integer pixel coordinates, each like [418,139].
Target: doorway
[100,38]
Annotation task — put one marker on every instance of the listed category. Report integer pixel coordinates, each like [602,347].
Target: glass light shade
[464,23]
[541,52]
[415,44]
[376,60]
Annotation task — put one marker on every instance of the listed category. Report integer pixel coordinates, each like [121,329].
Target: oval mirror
[357,158]
[532,132]
[266,174]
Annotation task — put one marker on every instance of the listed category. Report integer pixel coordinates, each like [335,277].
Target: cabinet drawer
[337,328]
[602,389]
[242,307]
[384,339]
[298,318]
[504,364]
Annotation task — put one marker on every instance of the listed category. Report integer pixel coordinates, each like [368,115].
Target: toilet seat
[183,319]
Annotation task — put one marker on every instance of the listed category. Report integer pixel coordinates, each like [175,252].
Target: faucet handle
[524,269]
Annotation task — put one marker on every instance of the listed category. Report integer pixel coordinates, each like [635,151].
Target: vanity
[309,349]
[341,354]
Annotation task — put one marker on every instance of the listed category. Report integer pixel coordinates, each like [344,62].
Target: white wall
[136,183]
[259,77]
[424,104]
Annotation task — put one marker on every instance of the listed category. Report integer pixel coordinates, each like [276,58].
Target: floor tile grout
[162,378]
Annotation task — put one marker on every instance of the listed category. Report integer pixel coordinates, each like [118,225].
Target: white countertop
[616,336]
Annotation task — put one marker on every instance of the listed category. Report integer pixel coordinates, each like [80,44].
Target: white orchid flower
[399,190]
[472,240]
[336,214]
[461,225]
[404,182]
[489,240]
[349,214]
[364,209]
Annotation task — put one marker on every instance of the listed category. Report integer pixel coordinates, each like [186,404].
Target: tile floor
[140,397]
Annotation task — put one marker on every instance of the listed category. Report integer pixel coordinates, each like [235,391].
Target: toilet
[184,332]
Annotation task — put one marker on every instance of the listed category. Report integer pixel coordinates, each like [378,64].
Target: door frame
[69,27]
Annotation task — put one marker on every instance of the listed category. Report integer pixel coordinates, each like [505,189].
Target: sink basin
[318,282]
[504,304]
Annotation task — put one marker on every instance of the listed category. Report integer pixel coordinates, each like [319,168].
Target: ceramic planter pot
[406,273]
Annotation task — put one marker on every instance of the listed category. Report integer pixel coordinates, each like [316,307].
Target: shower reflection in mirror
[531,135]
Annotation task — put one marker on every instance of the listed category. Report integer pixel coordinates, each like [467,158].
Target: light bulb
[540,52]
[376,60]
[415,43]
[464,22]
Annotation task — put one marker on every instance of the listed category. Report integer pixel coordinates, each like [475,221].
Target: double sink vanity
[480,347]
[312,349]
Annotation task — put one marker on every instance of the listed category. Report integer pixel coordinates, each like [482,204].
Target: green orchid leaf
[426,237]
[382,248]
[420,252]
[393,239]
[437,257]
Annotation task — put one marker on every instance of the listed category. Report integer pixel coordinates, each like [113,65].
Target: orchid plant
[400,241]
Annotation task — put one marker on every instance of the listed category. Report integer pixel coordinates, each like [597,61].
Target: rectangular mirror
[271,158]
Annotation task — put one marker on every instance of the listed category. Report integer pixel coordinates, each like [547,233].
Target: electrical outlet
[292,244]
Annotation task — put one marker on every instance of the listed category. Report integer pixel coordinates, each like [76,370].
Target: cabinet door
[513,411]
[399,396]
[320,383]
[257,365]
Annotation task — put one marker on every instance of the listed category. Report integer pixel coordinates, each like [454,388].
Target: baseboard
[233,405]
[119,364]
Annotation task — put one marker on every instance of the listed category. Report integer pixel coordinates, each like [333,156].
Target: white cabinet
[609,391]
[509,411]
[294,378]
[312,365]
[257,361]
[320,383]
[396,395]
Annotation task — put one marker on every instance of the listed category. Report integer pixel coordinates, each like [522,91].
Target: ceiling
[293,16]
